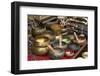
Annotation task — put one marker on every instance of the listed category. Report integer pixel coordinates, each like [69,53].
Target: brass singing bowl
[41,41]
[38,30]
[56,28]
[40,50]
[48,33]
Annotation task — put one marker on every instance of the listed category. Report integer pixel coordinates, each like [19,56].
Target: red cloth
[32,57]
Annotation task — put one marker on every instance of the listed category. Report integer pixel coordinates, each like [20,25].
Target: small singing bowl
[56,44]
[40,50]
[56,28]
[66,39]
[82,39]
[85,55]
[57,53]
[49,34]
[41,41]
[38,30]
[74,46]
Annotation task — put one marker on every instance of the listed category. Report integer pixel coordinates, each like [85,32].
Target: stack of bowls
[40,46]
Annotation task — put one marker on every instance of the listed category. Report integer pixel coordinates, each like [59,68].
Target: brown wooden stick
[81,49]
[51,48]
[78,40]
[76,36]
[60,41]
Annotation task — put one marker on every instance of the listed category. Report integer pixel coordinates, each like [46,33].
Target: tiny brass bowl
[41,41]
[40,50]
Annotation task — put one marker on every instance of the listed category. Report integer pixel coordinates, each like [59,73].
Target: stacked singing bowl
[40,46]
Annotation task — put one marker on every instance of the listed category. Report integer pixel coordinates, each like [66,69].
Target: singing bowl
[57,54]
[50,37]
[56,28]
[82,39]
[65,41]
[38,30]
[50,34]
[74,46]
[56,44]
[40,50]
[85,55]
[41,41]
